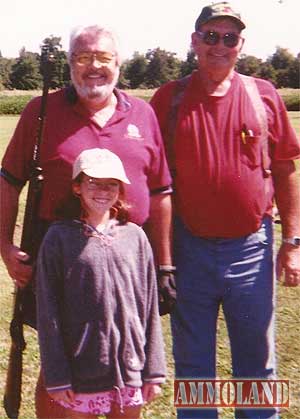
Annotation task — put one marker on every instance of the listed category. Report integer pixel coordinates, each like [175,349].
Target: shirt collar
[123,103]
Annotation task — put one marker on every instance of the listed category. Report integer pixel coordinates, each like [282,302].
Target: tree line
[144,71]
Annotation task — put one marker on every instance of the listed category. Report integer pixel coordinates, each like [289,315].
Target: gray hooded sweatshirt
[98,320]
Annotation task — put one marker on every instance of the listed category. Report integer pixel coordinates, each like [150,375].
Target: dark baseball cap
[216,10]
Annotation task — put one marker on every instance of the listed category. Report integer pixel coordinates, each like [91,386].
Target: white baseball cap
[99,163]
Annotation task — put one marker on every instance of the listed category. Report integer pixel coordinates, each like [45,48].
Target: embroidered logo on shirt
[133,132]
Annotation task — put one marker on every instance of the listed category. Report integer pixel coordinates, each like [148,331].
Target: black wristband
[166,269]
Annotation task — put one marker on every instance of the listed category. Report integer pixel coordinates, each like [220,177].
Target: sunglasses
[230,39]
[86,58]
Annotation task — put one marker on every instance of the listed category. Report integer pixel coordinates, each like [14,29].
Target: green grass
[13,101]
[13,105]
[287,349]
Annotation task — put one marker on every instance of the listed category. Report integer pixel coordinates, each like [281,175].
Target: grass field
[287,326]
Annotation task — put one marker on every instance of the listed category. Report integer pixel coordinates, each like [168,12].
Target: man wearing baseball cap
[231,149]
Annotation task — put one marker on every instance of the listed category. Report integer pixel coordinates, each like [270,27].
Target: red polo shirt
[218,182]
[132,133]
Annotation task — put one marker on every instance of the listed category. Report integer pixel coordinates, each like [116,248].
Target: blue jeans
[237,274]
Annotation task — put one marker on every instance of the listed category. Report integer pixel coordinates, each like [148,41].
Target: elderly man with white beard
[91,113]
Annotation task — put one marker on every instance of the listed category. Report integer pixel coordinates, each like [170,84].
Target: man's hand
[166,292]
[288,262]
[150,391]
[16,265]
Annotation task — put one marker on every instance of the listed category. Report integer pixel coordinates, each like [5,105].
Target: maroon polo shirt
[132,133]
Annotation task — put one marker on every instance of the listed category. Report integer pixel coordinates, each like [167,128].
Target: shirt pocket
[82,340]
[92,340]
[91,352]
[251,149]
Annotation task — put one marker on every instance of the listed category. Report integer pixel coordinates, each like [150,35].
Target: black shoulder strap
[176,99]
[261,114]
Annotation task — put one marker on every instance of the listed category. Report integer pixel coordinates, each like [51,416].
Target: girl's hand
[66,396]
[150,391]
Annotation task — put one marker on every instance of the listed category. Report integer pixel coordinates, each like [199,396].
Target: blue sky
[145,24]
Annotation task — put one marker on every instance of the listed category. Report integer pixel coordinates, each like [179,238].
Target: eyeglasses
[86,58]
[94,185]
[230,39]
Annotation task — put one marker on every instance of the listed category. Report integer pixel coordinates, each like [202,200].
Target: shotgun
[13,386]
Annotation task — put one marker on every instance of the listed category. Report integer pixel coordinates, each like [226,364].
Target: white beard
[100,93]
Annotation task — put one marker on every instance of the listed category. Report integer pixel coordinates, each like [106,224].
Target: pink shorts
[100,403]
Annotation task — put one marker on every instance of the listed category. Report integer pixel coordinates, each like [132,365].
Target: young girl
[99,329]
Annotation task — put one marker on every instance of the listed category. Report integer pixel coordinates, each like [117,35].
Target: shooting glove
[166,289]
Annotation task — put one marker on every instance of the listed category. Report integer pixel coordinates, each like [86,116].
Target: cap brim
[98,174]
[200,22]
[236,19]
